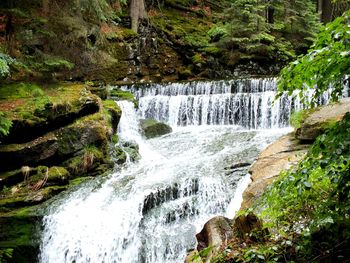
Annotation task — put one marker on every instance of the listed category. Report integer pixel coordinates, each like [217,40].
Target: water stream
[151,210]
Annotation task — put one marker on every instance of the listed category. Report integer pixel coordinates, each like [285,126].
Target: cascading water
[248,103]
[151,210]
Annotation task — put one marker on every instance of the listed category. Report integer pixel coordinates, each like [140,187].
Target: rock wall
[61,135]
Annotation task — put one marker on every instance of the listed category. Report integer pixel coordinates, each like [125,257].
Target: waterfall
[150,211]
[247,103]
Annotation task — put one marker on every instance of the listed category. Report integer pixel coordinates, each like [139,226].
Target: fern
[5,125]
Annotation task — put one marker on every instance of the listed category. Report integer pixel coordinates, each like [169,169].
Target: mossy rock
[90,161]
[114,111]
[28,197]
[119,94]
[152,128]
[58,176]
[20,233]
[120,155]
[102,91]
[132,149]
[61,144]
[35,110]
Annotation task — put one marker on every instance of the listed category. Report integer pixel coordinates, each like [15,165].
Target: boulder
[317,121]
[278,156]
[215,233]
[152,128]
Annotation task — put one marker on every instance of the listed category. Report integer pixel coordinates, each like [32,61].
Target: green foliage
[5,125]
[5,62]
[326,64]
[53,64]
[218,32]
[20,90]
[198,59]
[316,194]
[271,29]
[297,117]
[5,254]
[102,9]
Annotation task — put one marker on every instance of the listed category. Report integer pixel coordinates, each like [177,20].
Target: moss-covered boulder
[152,128]
[35,110]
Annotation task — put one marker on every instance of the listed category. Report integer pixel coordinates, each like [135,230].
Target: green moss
[115,139]
[120,34]
[58,175]
[74,165]
[198,59]
[93,150]
[123,95]
[78,181]
[183,28]
[20,90]
[120,155]
[298,117]
[112,106]
[211,50]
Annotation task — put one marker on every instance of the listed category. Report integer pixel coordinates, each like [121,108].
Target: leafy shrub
[218,32]
[326,64]
[316,194]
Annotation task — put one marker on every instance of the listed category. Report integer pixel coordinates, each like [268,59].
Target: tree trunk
[137,12]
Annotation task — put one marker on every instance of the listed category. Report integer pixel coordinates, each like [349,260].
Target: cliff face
[61,135]
[70,40]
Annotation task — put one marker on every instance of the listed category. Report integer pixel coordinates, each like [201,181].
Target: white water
[247,103]
[150,211]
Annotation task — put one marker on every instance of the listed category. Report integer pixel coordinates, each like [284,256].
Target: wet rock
[120,155]
[215,233]
[316,122]
[184,211]
[152,128]
[29,198]
[155,199]
[278,156]
[132,149]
